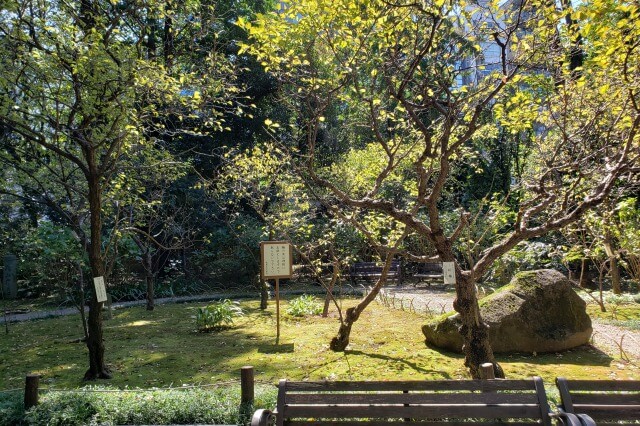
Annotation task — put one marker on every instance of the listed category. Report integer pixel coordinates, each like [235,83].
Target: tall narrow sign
[276,261]
[449,272]
[101,291]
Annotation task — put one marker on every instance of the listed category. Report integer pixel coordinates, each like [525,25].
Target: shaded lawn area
[162,348]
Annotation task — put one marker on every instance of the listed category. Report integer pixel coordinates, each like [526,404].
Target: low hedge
[107,406]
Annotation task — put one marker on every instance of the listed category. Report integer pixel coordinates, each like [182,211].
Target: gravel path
[615,341]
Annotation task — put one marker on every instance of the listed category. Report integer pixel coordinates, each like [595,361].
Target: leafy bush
[218,315]
[303,306]
[11,409]
[188,406]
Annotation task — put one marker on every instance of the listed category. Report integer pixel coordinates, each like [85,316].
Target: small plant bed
[100,405]
[163,348]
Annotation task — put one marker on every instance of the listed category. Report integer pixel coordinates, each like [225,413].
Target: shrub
[11,409]
[218,315]
[94,406]
[303,306]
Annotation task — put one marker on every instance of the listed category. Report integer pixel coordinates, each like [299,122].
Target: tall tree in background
[415,112]
[80,94]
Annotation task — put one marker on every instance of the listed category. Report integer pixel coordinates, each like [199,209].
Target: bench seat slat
[412,398]
[423,385]
[422,412]
[609,412]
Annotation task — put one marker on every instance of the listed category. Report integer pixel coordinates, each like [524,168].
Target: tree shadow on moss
[586,355]
[402,361]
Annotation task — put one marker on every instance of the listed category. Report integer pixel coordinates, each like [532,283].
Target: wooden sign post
[276,261]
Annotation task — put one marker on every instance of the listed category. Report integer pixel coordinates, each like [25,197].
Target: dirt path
[618,342]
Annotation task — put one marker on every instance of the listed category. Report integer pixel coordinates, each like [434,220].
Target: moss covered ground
[162,348]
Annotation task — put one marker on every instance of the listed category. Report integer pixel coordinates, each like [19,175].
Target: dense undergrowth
[108,406]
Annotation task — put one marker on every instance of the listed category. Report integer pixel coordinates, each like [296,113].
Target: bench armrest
[569,419]
[263,418]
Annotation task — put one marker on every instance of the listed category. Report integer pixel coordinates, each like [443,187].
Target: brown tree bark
[474,331]
[340,342]
[95,343]
[150,280]
[608,243]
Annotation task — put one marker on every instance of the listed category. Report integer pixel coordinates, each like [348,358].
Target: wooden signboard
[276,261]
[101,291]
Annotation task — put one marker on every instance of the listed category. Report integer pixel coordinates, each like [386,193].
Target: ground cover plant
[163,348]
[101,405]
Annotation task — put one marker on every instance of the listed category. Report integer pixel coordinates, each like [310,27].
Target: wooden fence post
[486,371]
[246,385]
[31,391]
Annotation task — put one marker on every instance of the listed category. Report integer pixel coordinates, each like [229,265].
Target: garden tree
[150,213]
[259,182]
[396,70]
[78,96]
[628,212]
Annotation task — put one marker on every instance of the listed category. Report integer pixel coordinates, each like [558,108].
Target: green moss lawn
[162,348]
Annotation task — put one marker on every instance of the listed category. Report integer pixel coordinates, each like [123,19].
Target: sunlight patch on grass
[162,347]
[139,323]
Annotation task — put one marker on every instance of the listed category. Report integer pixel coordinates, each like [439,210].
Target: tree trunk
[81,302]
[613,261]
[150,292]
[340,342]
[150,279]
[95,344]
[475,333]
[264,292]
[328,297]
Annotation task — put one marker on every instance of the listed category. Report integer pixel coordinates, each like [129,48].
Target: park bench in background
[372,271]
[607,402]
[430,272]
[429,402]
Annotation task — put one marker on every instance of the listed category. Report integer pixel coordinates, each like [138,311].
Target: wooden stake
[246,385]
[486,371]
[31,391]
[277,311]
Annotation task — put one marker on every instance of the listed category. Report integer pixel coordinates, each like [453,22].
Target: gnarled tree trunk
[474,331]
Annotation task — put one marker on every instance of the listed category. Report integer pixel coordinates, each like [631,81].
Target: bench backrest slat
[601,399]
[412,385]
[404,422]
[414,412]
[411,398]
[609,412]
[439,401]
[606,399]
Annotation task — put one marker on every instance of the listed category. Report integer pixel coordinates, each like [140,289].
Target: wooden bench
[429,272]
[601,402]
[431,402]
[371,270]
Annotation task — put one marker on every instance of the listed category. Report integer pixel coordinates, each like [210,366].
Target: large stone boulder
[537,311]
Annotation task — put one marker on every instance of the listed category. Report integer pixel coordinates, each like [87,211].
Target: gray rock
[537,311]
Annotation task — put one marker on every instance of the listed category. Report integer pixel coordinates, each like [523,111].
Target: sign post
[276,261]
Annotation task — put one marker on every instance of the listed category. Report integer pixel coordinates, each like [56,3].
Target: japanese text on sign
[276,259]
